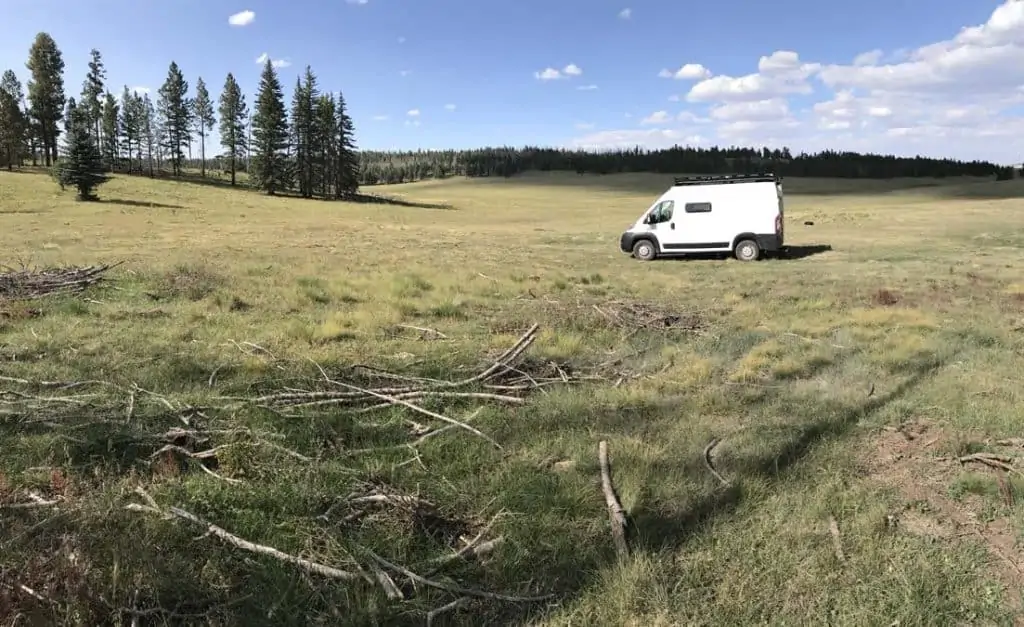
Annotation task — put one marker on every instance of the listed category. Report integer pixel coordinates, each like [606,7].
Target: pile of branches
[504,381]
[640,315]
[26,284]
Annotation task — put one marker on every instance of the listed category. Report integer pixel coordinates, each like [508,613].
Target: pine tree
[203,116]
[82,166]
[130,125]
[176,116]
[147,126]
[270,134]
[13,124]
[233,118]
[325,132]
[347,169]
[304,132]
[46,92]
[111,131]
[92,91]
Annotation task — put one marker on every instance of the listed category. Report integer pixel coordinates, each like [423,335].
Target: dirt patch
[885,298]
[910,458]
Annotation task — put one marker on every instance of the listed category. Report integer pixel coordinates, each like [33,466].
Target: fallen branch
[615,511]
[34,502]
[1001,462]
[213,530]
[837,542]
[707,461]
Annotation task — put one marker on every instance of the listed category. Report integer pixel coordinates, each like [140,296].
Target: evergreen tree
[131,126]
[176,116]
[13,124]
[46,92]
[147,126]
[111,131]
[347,169]
[82,166]
[325,132]
[307,152]
[92,92]
[204,120]
[270,135]
[233,116]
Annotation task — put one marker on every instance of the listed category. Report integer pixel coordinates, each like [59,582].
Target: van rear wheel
[644,250]
[747,250]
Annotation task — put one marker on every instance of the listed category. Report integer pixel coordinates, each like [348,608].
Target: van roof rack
[727,178]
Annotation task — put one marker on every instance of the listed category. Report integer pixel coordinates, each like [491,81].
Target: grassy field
[841,385]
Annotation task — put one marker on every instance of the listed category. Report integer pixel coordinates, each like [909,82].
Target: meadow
[829,437]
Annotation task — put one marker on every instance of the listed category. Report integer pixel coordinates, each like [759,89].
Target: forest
[310,148]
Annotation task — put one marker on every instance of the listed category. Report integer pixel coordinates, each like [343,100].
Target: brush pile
[28,284]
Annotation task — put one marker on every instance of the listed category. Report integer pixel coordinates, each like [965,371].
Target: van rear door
[780,219]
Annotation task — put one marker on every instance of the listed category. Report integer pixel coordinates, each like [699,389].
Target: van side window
[663,212]
[698,207]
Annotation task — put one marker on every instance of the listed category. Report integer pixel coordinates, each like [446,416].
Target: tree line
[308,149]
[398,167]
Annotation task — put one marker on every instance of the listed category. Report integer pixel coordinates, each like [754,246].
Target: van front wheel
[747,250]
[644,250]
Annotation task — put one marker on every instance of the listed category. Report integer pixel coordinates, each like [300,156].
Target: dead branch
[710,466]
[448,607]
[35,501]
[616,513]
[837,542]
[412,406]
[30,284]
[213,530]
[425,331]
[469,592]
[1001,462]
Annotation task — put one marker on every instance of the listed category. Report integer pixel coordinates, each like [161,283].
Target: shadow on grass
[145,204]
[657,528]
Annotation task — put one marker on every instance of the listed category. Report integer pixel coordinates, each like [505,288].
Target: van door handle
[672,225]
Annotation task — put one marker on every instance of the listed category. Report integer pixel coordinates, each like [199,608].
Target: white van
[741,214]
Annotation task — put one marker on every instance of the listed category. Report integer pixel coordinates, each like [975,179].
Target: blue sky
[473,70]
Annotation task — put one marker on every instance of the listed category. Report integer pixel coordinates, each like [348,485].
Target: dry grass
[914,317]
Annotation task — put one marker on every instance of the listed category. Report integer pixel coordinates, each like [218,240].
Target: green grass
[230,293]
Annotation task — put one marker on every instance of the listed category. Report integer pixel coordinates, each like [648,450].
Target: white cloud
[980,60]
[449,107]
[405,73]
[380,118]
[412,123]
[754,110]
[868,58]
[552,74]
[277,63]
[658,117]
[583,126]
[359,2]
[401,40]
[413,113]
[140,90]
[587,87]
[242,18]
[778,74]
[625,14]
[688,72]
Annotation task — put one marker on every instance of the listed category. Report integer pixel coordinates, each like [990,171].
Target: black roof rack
[716,179]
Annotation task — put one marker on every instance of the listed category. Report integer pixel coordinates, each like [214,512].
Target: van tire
[644,250]
[747,250]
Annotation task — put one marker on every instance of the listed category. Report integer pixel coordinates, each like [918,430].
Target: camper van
[739,214]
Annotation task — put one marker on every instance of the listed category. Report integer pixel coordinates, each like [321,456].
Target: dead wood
[837,541]
[213,530]
[1000,462]
[710,466]
[29,284]
[616,513]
